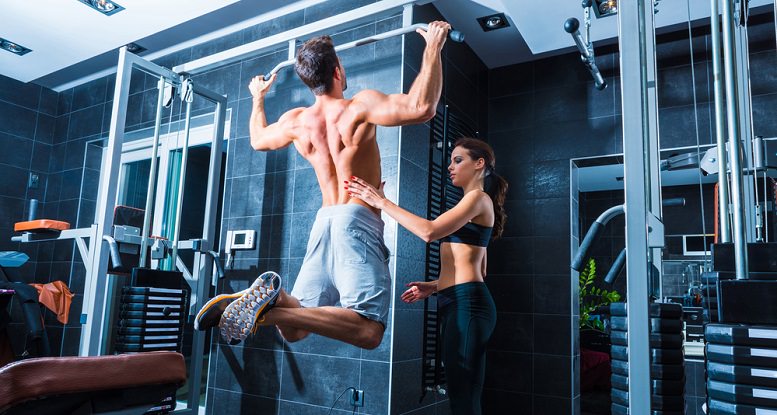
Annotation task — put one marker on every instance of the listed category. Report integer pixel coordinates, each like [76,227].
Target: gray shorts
[346,261]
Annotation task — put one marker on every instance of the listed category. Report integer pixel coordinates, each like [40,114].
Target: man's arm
[420,103]
[268,137]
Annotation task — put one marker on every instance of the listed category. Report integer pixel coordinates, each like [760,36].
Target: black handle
[571,25]
[589,239]
[616,268]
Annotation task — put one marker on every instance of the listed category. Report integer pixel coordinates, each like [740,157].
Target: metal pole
[734,133]
[202,263]
[634,31]
[181,183]
[152,173]
[720,133]
[95,294]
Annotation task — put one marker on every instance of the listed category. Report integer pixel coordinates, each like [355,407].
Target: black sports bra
[471,234]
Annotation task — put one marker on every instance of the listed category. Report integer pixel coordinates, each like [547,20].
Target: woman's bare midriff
[461,263]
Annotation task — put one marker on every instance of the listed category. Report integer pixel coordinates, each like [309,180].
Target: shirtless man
[346,259]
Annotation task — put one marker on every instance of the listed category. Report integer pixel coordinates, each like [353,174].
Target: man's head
[319,67]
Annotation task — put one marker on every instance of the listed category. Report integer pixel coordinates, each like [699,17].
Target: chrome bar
[181,182]
[150,194]
[455,35]
[355,16]
[734,140]
[720,133]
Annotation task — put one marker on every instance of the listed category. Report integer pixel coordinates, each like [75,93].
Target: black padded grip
[585,246]
[616,268]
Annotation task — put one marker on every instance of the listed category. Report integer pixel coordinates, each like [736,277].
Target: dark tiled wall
[27,122]
[541,114]
[464,91]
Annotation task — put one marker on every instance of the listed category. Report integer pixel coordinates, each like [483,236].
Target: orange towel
[56,297]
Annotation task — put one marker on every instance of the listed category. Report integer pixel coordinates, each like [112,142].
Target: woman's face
[463,168]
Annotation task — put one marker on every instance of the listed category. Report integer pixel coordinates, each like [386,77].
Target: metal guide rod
[635,27]
[355,16]
[720,133]
[455,35]
[734,137]
[182,181]
[152,173]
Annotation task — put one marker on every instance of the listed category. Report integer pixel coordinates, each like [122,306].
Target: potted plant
[592,298]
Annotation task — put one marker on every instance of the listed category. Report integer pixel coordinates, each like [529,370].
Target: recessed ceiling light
[106,7]
[493,22]
[603,8]
[135,48]
[13,47]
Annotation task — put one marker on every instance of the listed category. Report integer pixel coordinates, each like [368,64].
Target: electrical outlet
[357,398]
[34,181]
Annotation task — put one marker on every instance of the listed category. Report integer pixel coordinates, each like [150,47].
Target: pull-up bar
[455,36]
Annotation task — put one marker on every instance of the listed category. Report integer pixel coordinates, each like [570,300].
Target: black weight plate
[164,292]
[155,315]
[624,410]
[664,310]
[672,356]
[742,394]
[136,322]
[657,386]
[149,339]
[740,335]
[150,307]
[669,372]
[742,355]
[717,407]
[150,331]
[151,299]
[657,402]
[134,347]
[657,325]
[743,375]
[657,340]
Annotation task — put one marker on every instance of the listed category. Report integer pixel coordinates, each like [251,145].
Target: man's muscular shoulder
[363,100]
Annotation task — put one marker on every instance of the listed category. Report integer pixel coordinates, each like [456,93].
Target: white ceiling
[71,41]
[537,25]
[63,32]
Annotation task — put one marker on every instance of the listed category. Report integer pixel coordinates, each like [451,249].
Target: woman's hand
[419,291]
[360,189]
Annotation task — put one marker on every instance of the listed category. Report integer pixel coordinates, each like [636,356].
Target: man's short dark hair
[316,64]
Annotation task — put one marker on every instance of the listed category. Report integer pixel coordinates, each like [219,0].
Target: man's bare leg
[295,323]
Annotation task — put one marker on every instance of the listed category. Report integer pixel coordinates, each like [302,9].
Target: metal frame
[641,170]
[96,290]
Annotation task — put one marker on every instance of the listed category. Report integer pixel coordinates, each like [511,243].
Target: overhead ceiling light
[604,8]
[135,48]
[493,22]
[106,7]
[13,47]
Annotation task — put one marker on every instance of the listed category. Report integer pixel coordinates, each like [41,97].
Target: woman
[466,308]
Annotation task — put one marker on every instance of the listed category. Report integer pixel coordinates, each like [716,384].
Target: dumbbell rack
[667,363]
[741,369]
[152,319]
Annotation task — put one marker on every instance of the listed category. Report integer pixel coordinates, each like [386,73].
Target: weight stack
[741,369]
[667,362]
[152,319]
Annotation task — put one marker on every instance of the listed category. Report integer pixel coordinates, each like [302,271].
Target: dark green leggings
[468,317]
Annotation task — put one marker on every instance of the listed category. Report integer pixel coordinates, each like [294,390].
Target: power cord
[350,388]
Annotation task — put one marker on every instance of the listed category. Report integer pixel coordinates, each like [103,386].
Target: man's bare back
[334,136]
